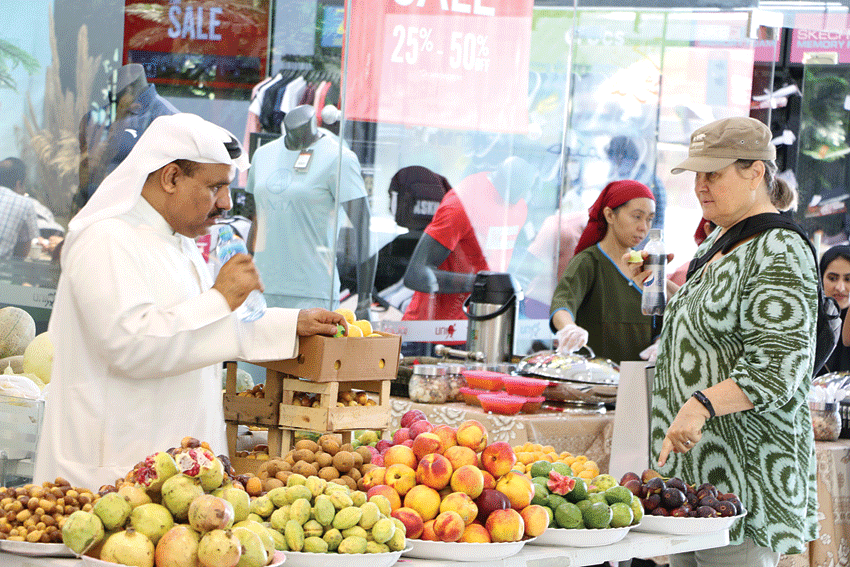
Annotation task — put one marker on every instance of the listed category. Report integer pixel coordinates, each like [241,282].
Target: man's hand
[318,321]
[237,278]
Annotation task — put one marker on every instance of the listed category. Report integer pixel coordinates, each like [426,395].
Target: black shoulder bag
[828,328]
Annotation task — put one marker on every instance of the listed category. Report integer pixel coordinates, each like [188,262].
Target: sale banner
[460,64]
[214,43]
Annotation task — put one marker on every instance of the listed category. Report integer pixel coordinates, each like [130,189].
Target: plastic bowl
[470,395]
[533,404]
[504,404]
[484,379]
[524,386]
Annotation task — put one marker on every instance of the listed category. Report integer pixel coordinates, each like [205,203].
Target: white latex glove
[570,339]
[650,353]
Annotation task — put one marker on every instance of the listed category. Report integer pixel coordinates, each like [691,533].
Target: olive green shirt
[604,302]
[749,316]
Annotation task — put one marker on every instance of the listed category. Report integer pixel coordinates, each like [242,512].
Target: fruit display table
[832,547]
[579,432]
[634,545]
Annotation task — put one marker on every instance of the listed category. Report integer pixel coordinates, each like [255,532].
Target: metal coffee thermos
[493,311]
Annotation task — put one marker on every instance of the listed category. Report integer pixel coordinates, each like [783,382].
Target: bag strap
[744,229]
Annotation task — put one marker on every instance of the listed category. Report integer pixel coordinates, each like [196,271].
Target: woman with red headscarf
[596,302]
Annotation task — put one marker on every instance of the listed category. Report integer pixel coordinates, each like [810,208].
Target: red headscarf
[700,234]
[615,194]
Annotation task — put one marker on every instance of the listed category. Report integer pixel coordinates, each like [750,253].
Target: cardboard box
[342,359]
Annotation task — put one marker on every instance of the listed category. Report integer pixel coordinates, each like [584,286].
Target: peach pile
[449,484]
[529,453]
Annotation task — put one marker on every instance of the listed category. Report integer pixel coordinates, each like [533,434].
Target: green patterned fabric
[604,302]
[749,316]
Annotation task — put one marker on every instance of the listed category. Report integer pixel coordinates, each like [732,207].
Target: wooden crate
[328,417]
[327,366]
[251,411]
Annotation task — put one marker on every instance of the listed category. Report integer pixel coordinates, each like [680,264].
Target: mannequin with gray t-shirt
[299,186]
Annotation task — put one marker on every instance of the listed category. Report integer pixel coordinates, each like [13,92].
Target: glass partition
[432,143]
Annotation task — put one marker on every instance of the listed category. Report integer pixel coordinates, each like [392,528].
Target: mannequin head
[514,179]
[301,128]
[131,81]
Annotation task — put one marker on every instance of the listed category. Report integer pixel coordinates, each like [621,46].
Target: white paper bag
[630,440]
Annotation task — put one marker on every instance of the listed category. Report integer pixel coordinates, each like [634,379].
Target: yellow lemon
[365,326]
[354,331]
[374,335]
[347,313]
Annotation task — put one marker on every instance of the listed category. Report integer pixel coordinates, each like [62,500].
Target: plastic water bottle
[654,288]
[229,245]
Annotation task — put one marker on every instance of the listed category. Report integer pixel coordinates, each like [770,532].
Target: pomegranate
[135,495]
[239,499]
[178,493]
[208,512]
[128,547]
[254,553]
[154,471]
[178,547]
[219,548]
[82,531]
[201,463]
[153,520]
[113,509]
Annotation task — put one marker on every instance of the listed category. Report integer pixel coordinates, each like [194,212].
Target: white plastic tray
[462,551]
[279,558]
[301,559]
[685,526]
[36,549]
[582,537]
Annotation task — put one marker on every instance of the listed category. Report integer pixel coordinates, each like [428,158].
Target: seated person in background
[835,271]
[596,302]
[18,221]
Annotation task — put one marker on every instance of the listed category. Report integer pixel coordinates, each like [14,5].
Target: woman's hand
[637,270]
[685,431]
[571,338]
[650,353]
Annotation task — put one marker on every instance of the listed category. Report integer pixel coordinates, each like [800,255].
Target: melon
[38,357]
[17,330]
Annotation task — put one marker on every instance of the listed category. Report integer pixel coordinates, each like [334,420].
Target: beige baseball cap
[723,142]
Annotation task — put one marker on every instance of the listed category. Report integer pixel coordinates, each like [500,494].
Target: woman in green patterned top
[735,357]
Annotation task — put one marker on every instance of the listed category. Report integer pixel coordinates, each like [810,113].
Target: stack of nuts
[255,392]
[36,513]
[343,399]
[327,459]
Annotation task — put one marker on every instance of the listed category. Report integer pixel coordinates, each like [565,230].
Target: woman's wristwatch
[703,399]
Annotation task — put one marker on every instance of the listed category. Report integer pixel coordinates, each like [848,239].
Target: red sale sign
[216,43]
[460,64]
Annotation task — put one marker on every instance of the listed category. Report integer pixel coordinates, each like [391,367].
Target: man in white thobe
[138,326]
